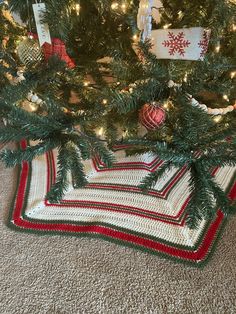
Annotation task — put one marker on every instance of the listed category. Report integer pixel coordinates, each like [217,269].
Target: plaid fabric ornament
[57,48]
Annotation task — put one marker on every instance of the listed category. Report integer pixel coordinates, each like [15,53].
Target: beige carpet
[67,275]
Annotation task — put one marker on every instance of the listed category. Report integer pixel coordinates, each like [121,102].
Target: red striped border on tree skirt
[112,207]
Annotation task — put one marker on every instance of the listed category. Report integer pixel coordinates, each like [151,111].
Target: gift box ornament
[184,44]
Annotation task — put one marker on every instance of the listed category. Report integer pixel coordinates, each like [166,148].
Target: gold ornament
[29,52]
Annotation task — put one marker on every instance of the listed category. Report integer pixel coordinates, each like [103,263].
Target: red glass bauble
[152,116]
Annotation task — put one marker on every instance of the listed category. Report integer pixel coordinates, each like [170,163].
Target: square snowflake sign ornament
[183,44]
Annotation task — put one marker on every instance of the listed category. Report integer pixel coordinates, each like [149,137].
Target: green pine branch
[12,158]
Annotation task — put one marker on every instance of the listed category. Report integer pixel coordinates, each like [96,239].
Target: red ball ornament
[152,116]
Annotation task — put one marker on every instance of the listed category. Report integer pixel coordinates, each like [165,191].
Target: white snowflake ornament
[176,44]
[183,44]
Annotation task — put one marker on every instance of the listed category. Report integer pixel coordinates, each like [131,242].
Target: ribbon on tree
[42,28]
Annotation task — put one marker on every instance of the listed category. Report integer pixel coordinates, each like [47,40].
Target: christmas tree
[159,76]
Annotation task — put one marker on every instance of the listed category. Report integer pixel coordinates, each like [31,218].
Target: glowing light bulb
[86,83]
[114,6]
[217,119]
[185,77]
[234,27]
[166,26]
[123,7]
[225,97]
[166,105]
[100,131]
[233,74]
[77,8]
[217,48]
[180,14]
[104,101]
[135,37]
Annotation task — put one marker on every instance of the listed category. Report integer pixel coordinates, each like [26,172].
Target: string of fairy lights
[122,7]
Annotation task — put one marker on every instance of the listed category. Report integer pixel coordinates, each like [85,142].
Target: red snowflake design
[176,43]
[203,44]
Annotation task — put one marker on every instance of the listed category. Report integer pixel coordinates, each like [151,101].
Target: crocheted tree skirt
[112,207]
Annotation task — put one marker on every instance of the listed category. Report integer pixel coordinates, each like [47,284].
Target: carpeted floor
[66,275]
